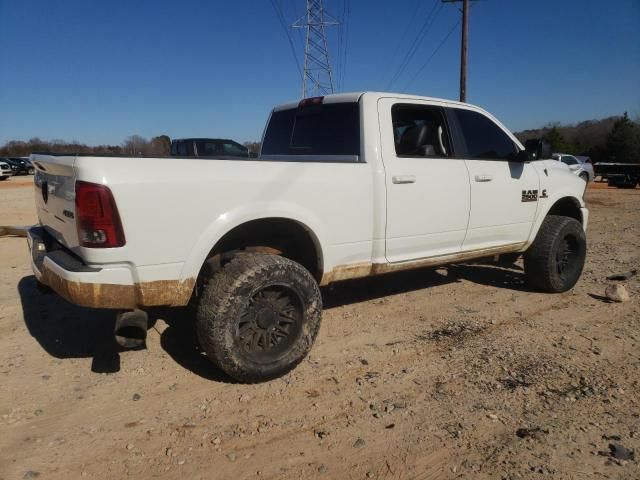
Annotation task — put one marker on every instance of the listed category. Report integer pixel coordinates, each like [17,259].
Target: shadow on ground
[359,290]
[65,330]
[68,331]
[180,341]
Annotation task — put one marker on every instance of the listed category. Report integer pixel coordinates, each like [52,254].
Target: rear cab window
[327,132]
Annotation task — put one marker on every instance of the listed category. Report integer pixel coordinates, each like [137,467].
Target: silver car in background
[5,170]
[581,166]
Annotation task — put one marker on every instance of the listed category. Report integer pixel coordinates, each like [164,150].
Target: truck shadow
[65,330]
[510,277]
[180,341]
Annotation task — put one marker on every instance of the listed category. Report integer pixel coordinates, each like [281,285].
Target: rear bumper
[96,287]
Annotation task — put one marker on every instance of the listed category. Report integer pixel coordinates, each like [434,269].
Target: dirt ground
[458,372]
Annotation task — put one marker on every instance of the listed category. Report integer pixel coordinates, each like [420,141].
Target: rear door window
[420,131]
[484,139]
[331,129]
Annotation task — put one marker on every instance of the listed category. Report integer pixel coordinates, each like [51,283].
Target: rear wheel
[258,317]
[555,260]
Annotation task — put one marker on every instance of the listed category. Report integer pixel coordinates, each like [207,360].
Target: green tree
[558,142]
[160,145]
[623,142]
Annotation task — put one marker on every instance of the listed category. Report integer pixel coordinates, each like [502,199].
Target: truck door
[427,187]
[504,192]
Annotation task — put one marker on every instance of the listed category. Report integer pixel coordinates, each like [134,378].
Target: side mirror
[538,149]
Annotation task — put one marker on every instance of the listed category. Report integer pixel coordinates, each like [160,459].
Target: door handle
[483,178]
[402,179]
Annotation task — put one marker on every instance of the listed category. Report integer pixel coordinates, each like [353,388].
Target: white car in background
[5,171]
[581,166]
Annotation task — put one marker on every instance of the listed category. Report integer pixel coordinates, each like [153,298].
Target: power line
[340,42]
[343,68]
[412,19]
[422,33]
[283,24]
[424,65]
[294,9]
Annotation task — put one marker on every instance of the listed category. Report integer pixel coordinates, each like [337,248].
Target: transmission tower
[317,79]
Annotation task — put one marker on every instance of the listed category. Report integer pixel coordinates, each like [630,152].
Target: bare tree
[253,147]
[135,145]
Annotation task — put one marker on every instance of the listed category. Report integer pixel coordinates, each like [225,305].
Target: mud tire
[554,262]
[229,298]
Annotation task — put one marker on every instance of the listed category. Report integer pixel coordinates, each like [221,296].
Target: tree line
[133,145]
[611,139]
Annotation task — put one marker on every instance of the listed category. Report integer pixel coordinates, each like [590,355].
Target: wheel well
[567,207]
[280,236]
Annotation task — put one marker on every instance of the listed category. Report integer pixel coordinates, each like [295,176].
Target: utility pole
[318,76]
[463,47]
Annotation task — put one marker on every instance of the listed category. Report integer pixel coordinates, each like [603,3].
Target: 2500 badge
[532,195]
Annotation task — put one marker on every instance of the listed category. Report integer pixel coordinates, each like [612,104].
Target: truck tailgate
[55,196]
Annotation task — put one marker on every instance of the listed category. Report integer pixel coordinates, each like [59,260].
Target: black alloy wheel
[270,324]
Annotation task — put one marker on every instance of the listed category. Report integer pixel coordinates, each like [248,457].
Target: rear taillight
[97,217]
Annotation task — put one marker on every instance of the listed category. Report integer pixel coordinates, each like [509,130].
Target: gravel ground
[457,372]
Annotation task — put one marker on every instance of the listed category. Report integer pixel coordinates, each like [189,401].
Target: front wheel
[554,262]
[258,317]
[585,176]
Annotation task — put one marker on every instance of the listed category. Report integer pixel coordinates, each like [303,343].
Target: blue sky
[97,71]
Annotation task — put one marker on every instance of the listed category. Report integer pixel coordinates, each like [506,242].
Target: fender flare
[544,209]
[227,221]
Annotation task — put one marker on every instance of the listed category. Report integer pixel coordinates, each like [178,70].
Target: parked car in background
[208,147]
[19,166]
[581,166]
[5,170]
[26,162]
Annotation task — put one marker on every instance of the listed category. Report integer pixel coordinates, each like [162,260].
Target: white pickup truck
[346,186]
